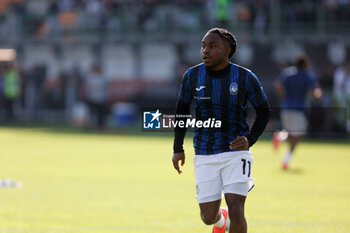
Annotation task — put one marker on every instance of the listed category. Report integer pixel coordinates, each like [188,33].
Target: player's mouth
[206,59]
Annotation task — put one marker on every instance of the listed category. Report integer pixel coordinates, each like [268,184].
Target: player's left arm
[258,99]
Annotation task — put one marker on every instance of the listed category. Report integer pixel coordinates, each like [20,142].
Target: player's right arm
[278,85]
[178,157]
[182,108]
[279,89]
[313,85]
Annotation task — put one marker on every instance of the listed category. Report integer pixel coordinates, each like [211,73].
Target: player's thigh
[210,210]
[235,204]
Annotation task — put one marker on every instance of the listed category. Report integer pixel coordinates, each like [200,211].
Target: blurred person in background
[221,12]
[222,162]
[2,71]
[53,93]
[96,95]
[341,89]
[12,90]
[36,89]
[292,87]
[73,82]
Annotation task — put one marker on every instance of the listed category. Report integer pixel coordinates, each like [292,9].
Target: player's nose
[206,51]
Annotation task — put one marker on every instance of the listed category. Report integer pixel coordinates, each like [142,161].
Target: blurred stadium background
[143,47]
[122,179]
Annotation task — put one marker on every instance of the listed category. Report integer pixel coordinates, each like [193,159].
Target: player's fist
[240,143]
[178,157]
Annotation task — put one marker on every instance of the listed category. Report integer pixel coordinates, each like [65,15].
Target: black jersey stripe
[210,113]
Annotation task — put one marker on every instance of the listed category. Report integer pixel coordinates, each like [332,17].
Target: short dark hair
[302,61]
[228,36]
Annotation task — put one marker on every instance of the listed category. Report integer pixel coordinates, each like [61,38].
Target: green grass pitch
[76,182]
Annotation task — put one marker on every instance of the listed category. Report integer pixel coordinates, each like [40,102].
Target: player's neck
[221,66]
[218,72]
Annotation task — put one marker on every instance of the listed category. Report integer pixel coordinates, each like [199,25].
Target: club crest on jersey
[233,88]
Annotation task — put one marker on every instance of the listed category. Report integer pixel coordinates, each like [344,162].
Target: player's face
[214,51]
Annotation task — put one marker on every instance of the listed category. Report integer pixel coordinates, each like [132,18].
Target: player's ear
[228,51]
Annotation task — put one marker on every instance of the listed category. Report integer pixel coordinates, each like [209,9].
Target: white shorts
[228,172]
[294,122]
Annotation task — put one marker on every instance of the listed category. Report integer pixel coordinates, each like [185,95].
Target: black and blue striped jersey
[221,96]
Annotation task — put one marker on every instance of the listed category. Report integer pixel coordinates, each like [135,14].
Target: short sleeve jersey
[296,84]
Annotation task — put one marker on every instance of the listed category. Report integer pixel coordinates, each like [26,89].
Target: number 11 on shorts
[244,166]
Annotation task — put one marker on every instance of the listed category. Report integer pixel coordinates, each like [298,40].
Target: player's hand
[177,157]
[240,143]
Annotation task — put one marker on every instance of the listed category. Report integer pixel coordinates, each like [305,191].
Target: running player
[292,87]
[222,161]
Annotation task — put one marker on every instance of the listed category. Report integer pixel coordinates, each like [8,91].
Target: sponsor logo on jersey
[200,88]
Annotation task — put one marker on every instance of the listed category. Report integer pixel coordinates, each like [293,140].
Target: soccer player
[222,161]
[292,87]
